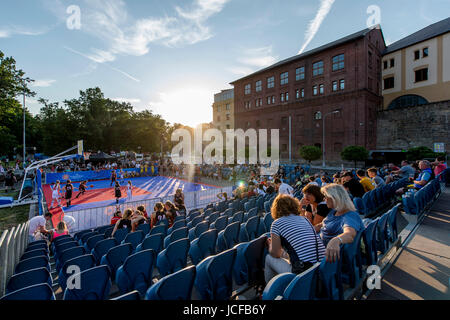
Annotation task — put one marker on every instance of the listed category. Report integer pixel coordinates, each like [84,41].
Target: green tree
[420,153]
[310,153]
[354,153]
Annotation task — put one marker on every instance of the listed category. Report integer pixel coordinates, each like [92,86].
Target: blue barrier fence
[88,175]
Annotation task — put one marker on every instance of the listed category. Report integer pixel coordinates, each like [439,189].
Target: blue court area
[101,193]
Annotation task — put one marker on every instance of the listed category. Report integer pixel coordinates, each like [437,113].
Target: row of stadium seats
[416,202]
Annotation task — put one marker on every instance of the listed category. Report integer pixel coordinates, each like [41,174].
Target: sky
[172,56]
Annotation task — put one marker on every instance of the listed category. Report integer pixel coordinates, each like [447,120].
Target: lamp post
[323,136]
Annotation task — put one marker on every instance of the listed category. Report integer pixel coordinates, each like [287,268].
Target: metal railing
[101,216]
[12,245]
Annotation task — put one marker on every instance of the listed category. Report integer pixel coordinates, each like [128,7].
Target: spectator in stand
[376,179]
[406,171]
[261,190]
[337,178]
[352,185]
[342,223]
[157,215]
[318,180]
[294,246]
[171,212]
[425,176]
[366,182]
[312,181]
[324,181]
[70,222]
[178,199]
[116,217]
[283,188]
[251,191]
[223,196]
[10,180]
[313,205]
[439,165]
[124,222]
[60,230]
[137,218]
[37,225]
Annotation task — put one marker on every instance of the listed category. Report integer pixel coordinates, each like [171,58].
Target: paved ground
[422,270]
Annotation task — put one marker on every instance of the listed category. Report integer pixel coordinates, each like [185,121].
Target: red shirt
[114,220]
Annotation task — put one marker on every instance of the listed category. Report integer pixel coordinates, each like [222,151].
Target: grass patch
[11,217]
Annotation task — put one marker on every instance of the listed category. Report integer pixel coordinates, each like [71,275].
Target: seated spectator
[60,230]
[425,176]
[376,179]
[178,199]
[223,196]
[124,222]
[293,246]
[283,188]
[342,223]
[171,212]
[157,215]
[116,217]
[137,218]
[406,171]
[439,165]
[270,188]
[260,190]
[352,185]
[337,178]
[312,181]
[314,208]
[144,212]
[366,182]
[251,192]
[324,181]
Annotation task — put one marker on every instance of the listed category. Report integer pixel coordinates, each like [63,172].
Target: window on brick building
[425,52]
[389,83]
[318,115]
[271,82]
[315,91]
[342,84]
[258,86]
[417,55]
[273,99]
[284,78]
[287,96]
[385,65]
[300,73]
[228,107]
[318,68]
[335,85]
[228,116]
[321,89]
[302,93]
[338,62]
[248,88]
[392,63]
[282,97]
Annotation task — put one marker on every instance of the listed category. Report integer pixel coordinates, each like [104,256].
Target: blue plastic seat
[38,243]
[32,263]
[154,242]
[237,217]
[62,238]
[392,223]
[382,233]
[131,296]
[86,236]
[203,246]
[77,236]
[134,238]
[177,225]
[213,217]
[267,205]
[145,228]
[95,284]
[69,254]
[331,279]
[121,234]
[37,246]
[179,218]
[38,292]
[198,230]
[268,220]
[92,241]
[249,230]
[176,286]
[220,224]
[370,244]
[359,205]
[228,213]
[351,261]
[176,235]
[214,276]
[102,229]
[136,272]
[29,278]
[192,215]
[102,247]
[63,247]
[108,232]
[83,262]
[277,285]
[34,253]
[174,257]
[250,214]
[159,229]
[228,238]
[194,222]
[115,257]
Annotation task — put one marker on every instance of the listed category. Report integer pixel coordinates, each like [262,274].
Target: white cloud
[4,34]
[127,100]
[43,83]
[314,25]
[254,59]
[14,30]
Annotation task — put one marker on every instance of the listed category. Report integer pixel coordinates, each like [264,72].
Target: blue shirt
[334,225]
[425,175]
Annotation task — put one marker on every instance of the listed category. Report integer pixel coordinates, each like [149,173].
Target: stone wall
[410,127]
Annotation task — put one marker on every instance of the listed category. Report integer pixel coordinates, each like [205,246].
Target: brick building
[303,90]
[223,110]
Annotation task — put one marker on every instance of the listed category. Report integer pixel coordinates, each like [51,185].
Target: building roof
[352,37]
[429,32]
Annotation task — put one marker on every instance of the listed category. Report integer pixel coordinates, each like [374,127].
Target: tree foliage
[420,153]
[310,153]
[355,153]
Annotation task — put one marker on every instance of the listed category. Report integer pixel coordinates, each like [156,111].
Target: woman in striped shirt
[294,245]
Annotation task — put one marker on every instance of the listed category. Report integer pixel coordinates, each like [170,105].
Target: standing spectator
[69,221]
[178,199]
[283,188]
[37,225]
[352,185]
[342,223]
[293,245]
[10,180]
[366,182]
[313,205]
[376,179]
[439,165]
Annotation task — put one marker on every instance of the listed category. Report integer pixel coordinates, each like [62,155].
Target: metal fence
[101,216]
[12,245]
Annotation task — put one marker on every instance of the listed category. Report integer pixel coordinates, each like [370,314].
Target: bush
[310,153]
[355,153]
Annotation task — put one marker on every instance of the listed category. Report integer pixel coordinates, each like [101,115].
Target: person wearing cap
[352,185]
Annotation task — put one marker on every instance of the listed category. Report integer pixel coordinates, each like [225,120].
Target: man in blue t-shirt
[424,176]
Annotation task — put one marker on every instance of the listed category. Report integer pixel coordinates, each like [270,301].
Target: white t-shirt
[36,223]
[285,189]
[70,222]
